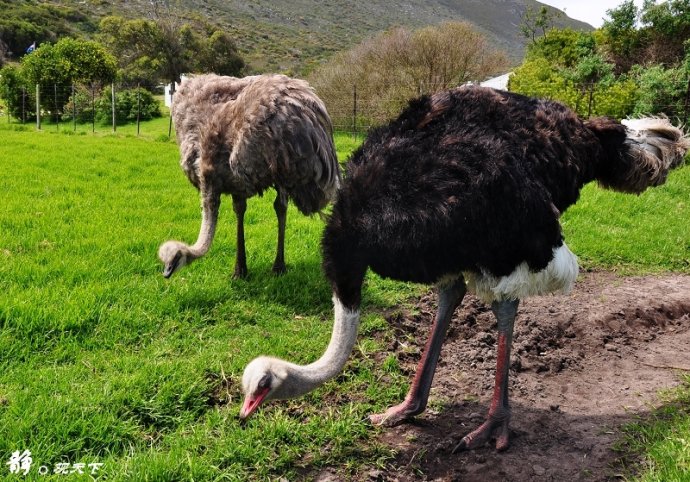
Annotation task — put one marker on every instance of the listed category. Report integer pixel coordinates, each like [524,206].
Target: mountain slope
[293,37]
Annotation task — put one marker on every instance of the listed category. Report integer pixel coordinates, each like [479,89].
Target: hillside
[293,37]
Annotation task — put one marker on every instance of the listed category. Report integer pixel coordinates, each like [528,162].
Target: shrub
[18,98]
[82,103]
[127,104]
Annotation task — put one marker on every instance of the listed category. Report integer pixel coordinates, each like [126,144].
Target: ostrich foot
[279,268]
[395,415]
[240,272]
[481,435]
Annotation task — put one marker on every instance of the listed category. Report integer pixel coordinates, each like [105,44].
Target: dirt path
[582,365]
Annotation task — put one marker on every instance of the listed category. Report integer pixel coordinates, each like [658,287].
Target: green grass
[633,234]
[663,439]
[102,360]
[155,129]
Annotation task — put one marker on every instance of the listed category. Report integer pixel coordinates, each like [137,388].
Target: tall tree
[68,61]
[535,23]
[134,44]
[652,35]
[3,52]
[668,26]
[395,66]
[166,46]
[621,37]
[219,55]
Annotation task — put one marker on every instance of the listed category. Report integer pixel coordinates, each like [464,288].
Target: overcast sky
[590,11]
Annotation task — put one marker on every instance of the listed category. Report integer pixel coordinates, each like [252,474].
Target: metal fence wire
[78,106]
[97,107]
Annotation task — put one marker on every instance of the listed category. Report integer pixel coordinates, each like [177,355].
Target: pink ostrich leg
[449,298]
[499,411]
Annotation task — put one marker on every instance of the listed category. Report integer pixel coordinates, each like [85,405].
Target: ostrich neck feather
[305,378]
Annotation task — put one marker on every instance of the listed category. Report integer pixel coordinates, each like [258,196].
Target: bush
[661,91]
[18,98]
[127,104]
[81,103]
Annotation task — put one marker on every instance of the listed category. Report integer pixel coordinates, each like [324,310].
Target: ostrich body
[240,136]
[464,190]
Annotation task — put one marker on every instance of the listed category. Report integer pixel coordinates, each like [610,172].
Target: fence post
[112,97]
[23,105]
[354,111]
[138,107]
[38,107]
[55,104]
[74,109]
[686,103]
[93,109]
[172,93]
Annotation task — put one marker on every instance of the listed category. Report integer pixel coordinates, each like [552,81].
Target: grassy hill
[292,37]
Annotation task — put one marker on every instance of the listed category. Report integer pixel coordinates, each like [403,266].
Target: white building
[500,82]
[168,97]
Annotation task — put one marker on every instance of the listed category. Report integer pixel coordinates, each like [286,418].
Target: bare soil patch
[582,365]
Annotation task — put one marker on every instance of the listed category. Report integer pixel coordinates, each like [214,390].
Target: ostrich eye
[265,381]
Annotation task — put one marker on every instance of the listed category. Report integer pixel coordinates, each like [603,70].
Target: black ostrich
[465,190]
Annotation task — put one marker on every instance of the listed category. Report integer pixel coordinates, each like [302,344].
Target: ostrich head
[267,378]
[174,256]
[264,379]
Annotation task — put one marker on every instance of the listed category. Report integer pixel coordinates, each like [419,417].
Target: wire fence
[108,108]
[78,107]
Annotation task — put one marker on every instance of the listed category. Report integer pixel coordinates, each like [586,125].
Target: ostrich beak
[168,270]
[252,402]
[172,266]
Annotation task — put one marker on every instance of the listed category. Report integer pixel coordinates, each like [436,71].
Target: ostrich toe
[395,415]
[483,433]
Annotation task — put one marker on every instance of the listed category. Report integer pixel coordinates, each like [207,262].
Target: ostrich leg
[499,411]
[280,207]
[239,205]
[449,298]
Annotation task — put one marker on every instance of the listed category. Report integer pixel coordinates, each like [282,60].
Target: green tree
[535,23]
[164,48]
[568,66]
[69,61]
[591,73]
[135,45]
[660,90]
[541,78]
[667,26]
[562,47]
[129,104]
[651,35]
[219,55]
[18,98]
[621,37]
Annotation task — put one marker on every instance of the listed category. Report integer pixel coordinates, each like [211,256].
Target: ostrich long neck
[209,218]
[305,378]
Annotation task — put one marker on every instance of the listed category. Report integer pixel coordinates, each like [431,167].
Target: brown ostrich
[240,136]
[464,190]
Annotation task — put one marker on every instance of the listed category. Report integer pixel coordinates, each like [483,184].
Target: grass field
[104,361]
